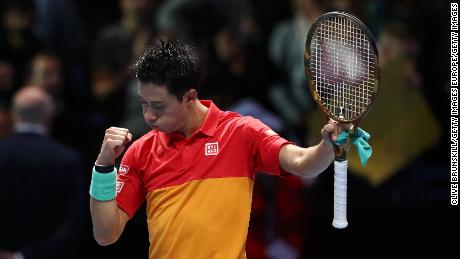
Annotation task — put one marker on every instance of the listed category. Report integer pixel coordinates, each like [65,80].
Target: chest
[177,162]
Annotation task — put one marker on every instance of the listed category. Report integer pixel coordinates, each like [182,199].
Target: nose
[149,115]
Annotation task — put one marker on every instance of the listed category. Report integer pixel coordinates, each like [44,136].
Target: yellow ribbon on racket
[360,140]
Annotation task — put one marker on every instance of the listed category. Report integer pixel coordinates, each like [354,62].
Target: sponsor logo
[124,169]
[119,186]
[211,149]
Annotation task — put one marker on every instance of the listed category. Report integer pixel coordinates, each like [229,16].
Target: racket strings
[343,67]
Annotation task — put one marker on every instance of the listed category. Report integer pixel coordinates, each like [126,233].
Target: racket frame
[340,151]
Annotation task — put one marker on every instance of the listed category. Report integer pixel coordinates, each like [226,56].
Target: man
[46,72]
[195,168]
[42,185]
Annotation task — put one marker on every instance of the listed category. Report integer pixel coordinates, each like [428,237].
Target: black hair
[171,63]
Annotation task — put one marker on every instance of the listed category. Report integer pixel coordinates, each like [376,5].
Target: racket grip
[340,194]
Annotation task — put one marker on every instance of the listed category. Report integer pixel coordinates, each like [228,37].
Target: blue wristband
[103,185]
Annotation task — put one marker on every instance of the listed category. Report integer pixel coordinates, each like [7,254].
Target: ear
[190,96]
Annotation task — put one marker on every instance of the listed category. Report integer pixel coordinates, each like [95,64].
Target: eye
[144,104]
[159,107]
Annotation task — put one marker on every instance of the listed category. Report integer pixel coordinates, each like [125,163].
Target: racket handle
[340,194]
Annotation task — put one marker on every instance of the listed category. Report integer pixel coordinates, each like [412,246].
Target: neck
[196,119]
[27,127]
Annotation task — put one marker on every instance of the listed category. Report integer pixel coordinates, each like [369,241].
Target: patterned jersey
[198,190]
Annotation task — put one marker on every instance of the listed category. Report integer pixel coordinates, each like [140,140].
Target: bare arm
[309,162]
[108,220]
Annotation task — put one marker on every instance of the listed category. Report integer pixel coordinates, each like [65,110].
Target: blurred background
[80,54]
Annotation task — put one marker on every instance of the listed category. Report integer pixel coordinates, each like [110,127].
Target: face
[138,7]
[17,20]
[162,111]
[46,73]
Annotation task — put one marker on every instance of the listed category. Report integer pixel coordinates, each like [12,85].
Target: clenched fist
[332,129]
[115,141]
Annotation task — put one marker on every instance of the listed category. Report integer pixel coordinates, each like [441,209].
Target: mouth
[155,127]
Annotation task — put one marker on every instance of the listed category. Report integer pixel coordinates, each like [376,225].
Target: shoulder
[233,119]
[41,148]
[37,144]
[145,139]
[63,151]
[143,143]
[246,124]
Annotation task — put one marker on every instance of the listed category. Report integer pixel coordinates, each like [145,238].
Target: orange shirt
[198,190]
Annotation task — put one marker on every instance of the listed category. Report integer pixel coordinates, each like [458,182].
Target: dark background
[408,214]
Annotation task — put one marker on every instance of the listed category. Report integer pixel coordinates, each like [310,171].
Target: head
[309,9]
[168,75]
[17,15]
[139,9]
[46,73]
[33,105]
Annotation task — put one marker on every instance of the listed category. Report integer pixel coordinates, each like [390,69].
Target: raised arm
[311,161]
[108,220]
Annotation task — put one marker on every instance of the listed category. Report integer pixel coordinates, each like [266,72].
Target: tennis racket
[342,67]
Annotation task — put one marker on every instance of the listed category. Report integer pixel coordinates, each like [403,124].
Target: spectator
[18,43]
[286,46]
[43,195]
[118,44]
[115,48]
[46,71]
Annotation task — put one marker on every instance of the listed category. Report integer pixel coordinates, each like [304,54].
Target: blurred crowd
[80,54]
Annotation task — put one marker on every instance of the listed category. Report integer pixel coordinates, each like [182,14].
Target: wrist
[328,148]
[103,163]
[103,185]
[104,169]
[328,144]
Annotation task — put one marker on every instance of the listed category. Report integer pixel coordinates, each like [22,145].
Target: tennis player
[195,168]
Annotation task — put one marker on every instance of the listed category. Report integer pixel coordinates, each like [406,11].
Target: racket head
[341,55]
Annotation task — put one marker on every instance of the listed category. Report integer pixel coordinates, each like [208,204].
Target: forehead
[152,92]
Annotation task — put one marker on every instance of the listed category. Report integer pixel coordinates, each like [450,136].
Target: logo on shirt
[211,149]
[124,169]
[119,186]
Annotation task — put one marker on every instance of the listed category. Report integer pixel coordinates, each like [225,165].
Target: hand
[330,131]
[114,144]
[6,255]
